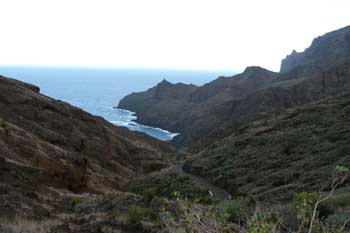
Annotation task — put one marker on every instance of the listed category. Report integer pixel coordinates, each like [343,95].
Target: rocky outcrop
[325,51]
[165,99]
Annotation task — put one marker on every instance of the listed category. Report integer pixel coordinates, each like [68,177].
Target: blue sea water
[99,90]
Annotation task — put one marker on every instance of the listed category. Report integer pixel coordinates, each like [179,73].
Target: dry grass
[20,225]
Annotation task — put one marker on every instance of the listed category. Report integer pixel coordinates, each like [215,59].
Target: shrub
[150,193]
[262,221]
[337,220]
[304,203]
[138,213]
[288,217]
[75,201]
[116,213]
[190,217]
[3,123]
[230,211]
[263,227]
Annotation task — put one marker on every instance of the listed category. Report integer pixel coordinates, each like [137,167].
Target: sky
[177,34]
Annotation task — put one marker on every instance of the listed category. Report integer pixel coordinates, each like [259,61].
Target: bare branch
[321,199]
[344,225]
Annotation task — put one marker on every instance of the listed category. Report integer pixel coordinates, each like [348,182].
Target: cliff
[196,110]
[324,52]
[205,114]
[160,105]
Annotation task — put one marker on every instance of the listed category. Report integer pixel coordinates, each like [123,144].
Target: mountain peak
[253,70]
[164,82]
[325,51]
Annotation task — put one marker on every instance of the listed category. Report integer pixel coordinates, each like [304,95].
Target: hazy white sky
[184,34]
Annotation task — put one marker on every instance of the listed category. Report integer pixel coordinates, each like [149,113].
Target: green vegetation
[169,184]
[326,211]
[3,123]
[150,193]
[75,201]
[234,211]
[137,213]
[227,217]
[279,155]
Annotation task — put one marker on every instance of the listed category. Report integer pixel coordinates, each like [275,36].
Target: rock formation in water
[194,111]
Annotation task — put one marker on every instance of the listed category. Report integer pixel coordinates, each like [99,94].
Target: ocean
[98,90]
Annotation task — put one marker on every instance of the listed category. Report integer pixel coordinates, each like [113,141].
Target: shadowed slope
[280,154]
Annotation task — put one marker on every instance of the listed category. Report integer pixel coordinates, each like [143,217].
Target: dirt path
[213,190]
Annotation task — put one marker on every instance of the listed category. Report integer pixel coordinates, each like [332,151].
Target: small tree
[342,173]
[303,203]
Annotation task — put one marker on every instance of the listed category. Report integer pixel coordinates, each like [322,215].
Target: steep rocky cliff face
[196,110]
[160,105]
[281,154]
[50,150]
[325,51]
[210,112]
[292,89]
